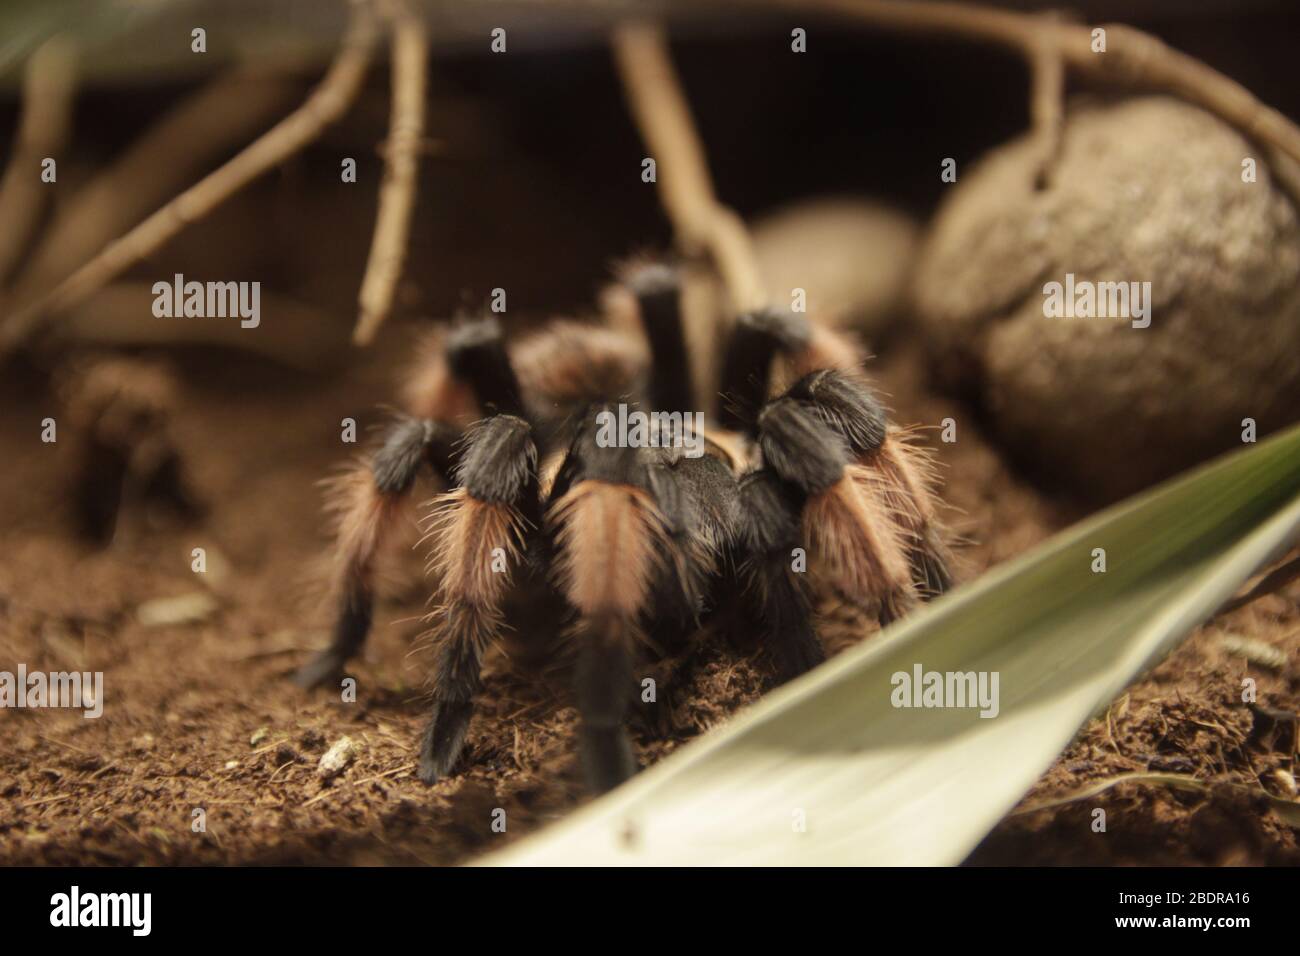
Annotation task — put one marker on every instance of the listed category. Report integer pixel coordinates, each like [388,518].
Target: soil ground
[184,701]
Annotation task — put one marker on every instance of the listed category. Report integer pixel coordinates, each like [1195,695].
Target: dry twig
[325,105]
[701,222]
[1046,106]
[1132,57]
[166,158]
[1272,582]
[410,52]
[46,118]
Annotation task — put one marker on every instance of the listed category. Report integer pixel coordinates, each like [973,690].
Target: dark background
[535,182]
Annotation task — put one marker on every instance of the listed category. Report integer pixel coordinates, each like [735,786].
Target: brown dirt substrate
[183,701]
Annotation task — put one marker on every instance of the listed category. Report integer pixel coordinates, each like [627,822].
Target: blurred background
[530,184]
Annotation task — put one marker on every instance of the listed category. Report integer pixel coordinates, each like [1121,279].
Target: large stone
[1146,190]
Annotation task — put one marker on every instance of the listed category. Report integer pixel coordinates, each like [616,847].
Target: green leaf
[876,784]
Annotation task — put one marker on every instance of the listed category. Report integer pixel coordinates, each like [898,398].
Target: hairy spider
[545,531]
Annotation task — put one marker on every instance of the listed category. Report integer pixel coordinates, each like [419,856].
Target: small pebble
[338,757]
[184,609]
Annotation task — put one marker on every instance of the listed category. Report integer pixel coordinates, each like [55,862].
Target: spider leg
[470,371]
[893,473]
[910,469]
[611,542]
[897,471]
[771,532]
[826,348]
[477,538]
[766,351]
[756,339]
[476,355]
[368,501]
[657,290]
[847,526]
[462,374]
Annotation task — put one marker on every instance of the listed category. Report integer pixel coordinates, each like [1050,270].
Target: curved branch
[410,52]
[1046,106]
[682,173]
[325,105]
[164,159]
[48,88]
[1132,57]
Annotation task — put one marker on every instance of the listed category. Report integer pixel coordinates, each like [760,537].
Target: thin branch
[1143,60]
[701,223]
[48,87]
[1132,57]
[324,106]
[410,66]
[1287,810]
[1176,781]
[166,158]
[1274,581]
[1046,105]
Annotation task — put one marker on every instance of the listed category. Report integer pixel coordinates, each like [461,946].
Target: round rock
[1147,190]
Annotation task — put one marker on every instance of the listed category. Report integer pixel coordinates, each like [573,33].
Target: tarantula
[543,530]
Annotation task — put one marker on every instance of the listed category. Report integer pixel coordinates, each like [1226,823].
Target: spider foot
[443,740]
[325,667]
[607,758]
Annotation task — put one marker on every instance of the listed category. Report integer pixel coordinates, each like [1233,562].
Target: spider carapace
[548,528]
